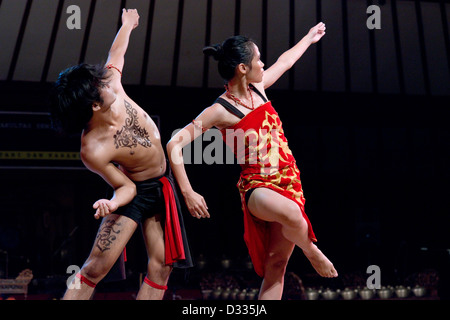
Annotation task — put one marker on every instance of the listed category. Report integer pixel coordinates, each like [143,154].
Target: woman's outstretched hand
[317,32]
[196,205]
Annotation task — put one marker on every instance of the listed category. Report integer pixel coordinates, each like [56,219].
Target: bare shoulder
[259,85]
[94,153]
[261,88]
[216,116]
[216,110]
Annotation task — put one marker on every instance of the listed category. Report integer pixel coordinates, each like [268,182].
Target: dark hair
[232,52]
[73,94]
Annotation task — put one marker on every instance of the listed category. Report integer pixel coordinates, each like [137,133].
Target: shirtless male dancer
[121,143]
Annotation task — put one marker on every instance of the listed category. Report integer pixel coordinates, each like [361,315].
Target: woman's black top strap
[230,107]
[235,110]
[257,91]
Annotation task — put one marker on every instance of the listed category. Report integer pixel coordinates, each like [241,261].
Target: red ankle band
[154,285]
[83,279]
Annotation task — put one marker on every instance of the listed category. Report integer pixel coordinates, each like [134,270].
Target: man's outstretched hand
[130,17]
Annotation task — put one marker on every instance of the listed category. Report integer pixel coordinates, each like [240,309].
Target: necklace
[237,100]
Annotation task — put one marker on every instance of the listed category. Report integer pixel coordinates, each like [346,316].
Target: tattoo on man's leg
[107,234]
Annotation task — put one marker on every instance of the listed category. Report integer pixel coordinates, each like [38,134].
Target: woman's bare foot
[320,262]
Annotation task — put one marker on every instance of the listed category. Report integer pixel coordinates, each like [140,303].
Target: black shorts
[148,201]
[248,194]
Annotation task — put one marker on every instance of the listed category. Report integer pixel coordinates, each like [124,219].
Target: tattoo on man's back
[131,133]
[107,234]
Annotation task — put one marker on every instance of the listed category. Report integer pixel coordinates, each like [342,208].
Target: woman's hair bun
[216,51]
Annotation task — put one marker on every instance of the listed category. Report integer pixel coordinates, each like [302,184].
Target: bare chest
[135,130]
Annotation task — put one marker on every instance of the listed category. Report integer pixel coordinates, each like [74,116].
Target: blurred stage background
[364,111]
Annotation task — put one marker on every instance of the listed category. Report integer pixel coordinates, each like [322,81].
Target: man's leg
[112,236]
[158,273]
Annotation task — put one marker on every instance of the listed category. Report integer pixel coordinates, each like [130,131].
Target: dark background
[374,172]
[364,111]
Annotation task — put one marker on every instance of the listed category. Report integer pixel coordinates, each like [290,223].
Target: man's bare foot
[320,262]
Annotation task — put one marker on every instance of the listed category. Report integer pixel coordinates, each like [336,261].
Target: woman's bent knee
[292,217]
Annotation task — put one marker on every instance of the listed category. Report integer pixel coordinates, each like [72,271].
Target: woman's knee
[271,206]
[291,216]
[276,265]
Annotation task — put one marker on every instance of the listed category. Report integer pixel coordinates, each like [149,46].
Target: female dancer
[269,185]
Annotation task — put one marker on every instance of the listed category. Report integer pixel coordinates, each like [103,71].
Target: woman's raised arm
[291,56]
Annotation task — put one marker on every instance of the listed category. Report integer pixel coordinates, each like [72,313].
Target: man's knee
[95,269]
[159,269]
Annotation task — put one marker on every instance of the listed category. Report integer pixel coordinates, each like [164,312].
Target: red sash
[172,233]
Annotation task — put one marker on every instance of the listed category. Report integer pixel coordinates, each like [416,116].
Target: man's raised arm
[116,57]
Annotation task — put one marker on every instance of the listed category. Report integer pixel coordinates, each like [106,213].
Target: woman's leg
[270,206]
[278,253]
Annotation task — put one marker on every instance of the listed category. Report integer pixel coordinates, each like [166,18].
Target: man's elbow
[132,190]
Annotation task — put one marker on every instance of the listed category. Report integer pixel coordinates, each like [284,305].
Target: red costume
[266,161]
